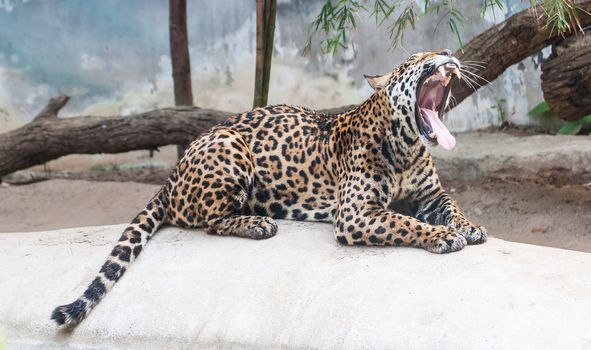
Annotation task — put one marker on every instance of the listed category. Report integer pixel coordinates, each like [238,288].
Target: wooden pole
[179,57]
[265,30]
[260,55]
[270,12]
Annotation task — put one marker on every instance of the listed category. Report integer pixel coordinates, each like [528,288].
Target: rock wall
[113,58]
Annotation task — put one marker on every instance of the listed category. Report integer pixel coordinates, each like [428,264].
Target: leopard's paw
[263,228]
[473,234]
[446,241]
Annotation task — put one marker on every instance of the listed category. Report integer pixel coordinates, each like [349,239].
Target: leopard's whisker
[474,61]
[475,68]
[475,76]
[472,67]
[471,83]
[473,64]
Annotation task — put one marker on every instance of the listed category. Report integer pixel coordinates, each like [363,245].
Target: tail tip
[69,314]
[59,316]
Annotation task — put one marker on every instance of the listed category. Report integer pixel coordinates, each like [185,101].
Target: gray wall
[112,58]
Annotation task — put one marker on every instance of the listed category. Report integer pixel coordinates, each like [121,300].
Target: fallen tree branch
[508,43]
[48,137]
[52,108]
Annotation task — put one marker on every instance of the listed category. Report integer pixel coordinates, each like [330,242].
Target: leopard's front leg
[361,220]
[439,208]
[371,225]
[431,204]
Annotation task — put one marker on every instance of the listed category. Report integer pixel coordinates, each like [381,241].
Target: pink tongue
[444,137]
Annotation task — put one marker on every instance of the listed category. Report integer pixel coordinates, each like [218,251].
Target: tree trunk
[508,43]
[265,32]
[566,77]
[179,57]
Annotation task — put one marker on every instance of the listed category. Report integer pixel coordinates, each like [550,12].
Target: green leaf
[407,18]
[491,4]
[383,9]
[570,128]
[587,119]
[540,108]
[458,16]
[561,16]
[454,28]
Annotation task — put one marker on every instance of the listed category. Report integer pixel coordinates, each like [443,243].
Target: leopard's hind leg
[211,188]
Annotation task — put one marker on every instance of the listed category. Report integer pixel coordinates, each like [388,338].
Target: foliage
[543,110]
[540,109]
[561,15]
[573,128]
[337,19]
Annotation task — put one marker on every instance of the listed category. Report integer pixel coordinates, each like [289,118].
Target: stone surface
[299,289]
[484,154]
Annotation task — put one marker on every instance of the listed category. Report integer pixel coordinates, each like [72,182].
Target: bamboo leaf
[571,128]
[454,29]
[340,16]
[540,108]
[490,5]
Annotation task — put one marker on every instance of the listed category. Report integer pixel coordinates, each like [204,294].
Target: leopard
[351,169]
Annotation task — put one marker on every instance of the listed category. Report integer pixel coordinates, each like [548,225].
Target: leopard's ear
[378,82]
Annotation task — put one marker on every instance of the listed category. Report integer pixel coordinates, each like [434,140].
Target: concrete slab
[497,154]
[299,289]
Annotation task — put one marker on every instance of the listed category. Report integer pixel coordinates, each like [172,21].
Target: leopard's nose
[446,52]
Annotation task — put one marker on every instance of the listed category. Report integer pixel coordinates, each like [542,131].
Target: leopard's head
[419,89]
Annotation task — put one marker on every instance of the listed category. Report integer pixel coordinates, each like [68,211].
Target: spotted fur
[286,162]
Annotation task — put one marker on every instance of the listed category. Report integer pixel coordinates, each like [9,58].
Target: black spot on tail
[71,313]
[122,252]
[111,270]
[95,291]
[137,250]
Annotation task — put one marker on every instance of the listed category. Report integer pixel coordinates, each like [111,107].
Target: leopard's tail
[133,239]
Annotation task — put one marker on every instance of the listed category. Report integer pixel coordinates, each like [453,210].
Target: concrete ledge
[299,289]
[484,154]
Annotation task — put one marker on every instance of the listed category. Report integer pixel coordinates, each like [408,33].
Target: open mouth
[432,96]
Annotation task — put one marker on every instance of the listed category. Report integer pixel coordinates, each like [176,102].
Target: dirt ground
[546,211]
